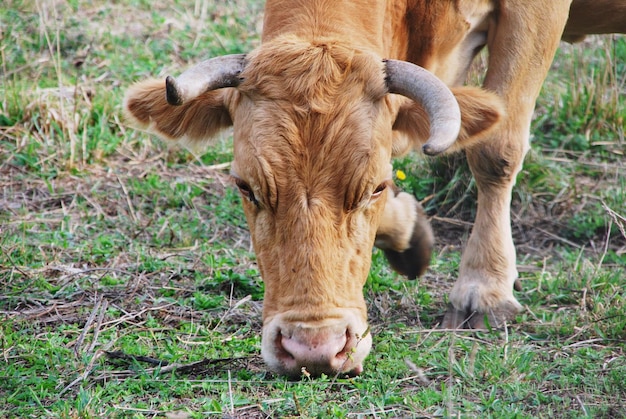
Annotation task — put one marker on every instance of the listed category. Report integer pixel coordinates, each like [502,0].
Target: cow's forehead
[312,74]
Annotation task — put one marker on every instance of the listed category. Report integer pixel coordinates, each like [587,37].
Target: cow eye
[246,191]
[379,190]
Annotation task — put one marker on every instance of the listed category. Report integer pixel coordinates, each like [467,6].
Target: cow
[334,92]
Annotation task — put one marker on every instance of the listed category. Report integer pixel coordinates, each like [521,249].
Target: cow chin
[336,345]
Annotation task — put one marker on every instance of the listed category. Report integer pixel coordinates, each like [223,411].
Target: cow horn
[422,86]
[212,74]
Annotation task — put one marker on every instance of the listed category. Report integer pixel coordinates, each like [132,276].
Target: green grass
[115,247]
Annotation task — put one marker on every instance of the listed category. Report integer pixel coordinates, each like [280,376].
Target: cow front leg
[405,234]
[521,43]
[484,289]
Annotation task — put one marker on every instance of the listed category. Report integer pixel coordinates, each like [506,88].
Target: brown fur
[146,108]
[595,16]
[481,111]
[314,132]
[409,256]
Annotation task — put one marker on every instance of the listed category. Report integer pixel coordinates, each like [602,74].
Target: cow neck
[361,23]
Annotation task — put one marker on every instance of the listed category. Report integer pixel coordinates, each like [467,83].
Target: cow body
[315,129]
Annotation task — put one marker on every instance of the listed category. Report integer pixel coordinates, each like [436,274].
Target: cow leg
[521,47]
[405,235]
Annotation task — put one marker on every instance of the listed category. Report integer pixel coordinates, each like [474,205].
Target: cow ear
[481,111]
[146,107]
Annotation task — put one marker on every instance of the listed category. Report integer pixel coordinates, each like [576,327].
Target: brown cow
[318,114]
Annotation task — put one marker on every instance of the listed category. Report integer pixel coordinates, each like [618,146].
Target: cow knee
[405,235]
[498,162]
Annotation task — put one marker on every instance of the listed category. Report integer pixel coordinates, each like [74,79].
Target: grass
[128,286]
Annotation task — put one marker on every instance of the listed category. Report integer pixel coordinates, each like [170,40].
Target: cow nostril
[348,348]
[281,352]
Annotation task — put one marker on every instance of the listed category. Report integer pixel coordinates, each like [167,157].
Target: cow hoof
[495,318]
[413,261]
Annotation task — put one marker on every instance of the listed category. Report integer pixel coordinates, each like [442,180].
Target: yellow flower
[400,175]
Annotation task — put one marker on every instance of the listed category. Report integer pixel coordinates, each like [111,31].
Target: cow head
[313,140]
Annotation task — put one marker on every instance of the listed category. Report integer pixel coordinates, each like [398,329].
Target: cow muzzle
[337,345]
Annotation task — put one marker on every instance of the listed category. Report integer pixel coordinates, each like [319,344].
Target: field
[128,285]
